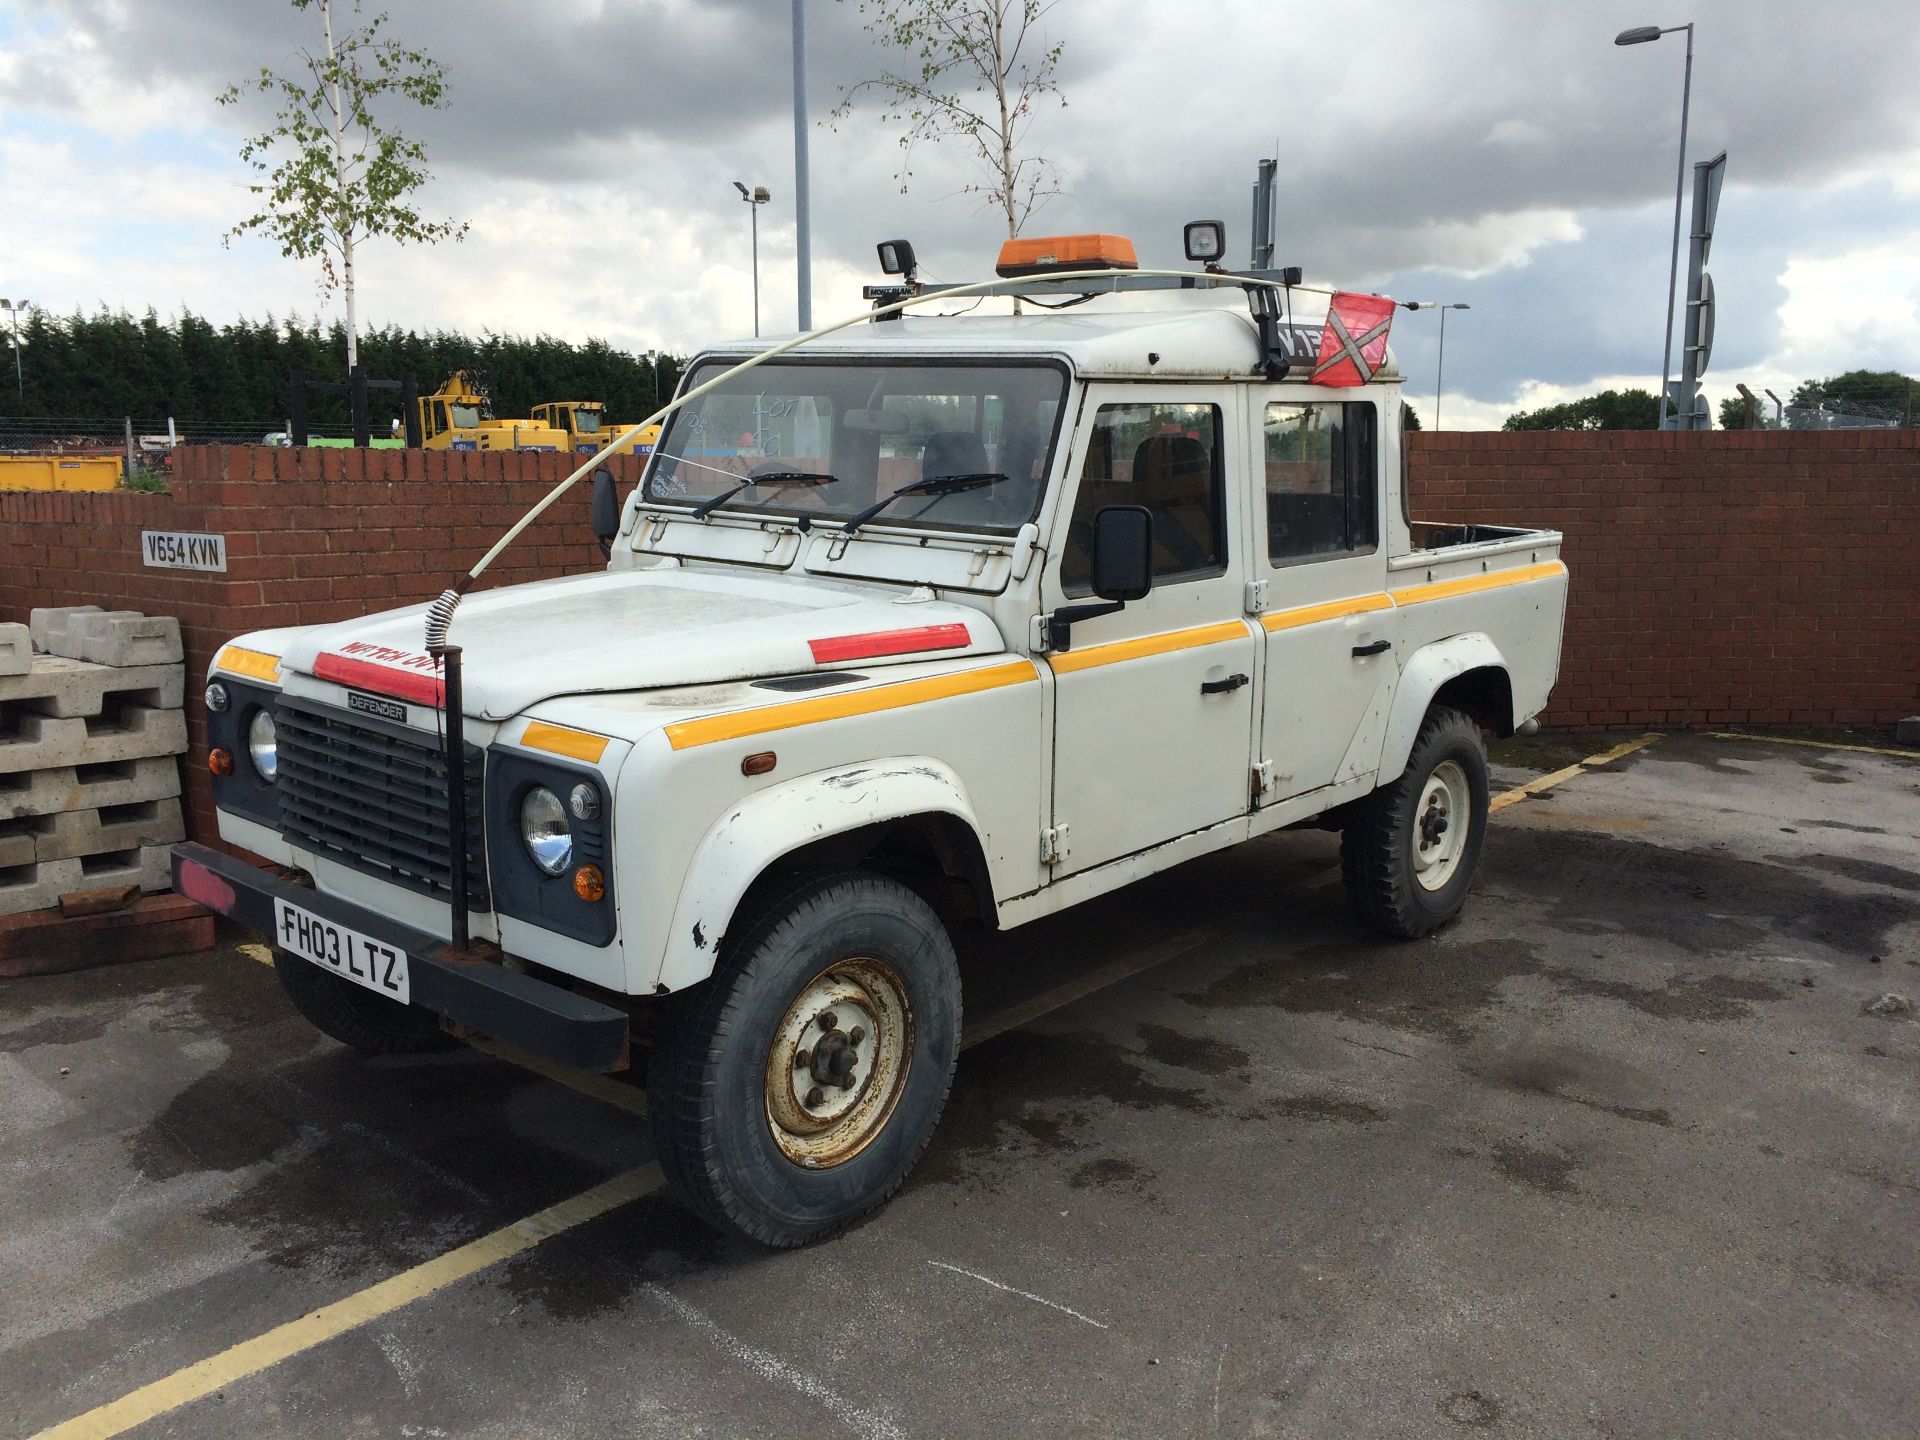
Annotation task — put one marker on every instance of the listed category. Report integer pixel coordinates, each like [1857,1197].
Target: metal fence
[1846,415]
[93,434]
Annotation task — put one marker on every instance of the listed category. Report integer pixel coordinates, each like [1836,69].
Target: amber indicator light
[219,762]
[589,884]
[759,763]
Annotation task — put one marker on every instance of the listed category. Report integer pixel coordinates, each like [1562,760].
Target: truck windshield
[586,419]
[465,417]
[875,427]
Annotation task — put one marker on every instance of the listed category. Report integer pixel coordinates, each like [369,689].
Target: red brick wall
[1754,578]
[1721,578]
[312,535]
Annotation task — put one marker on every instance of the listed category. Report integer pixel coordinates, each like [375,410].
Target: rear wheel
[1410,849]
[370,1023]
[793,1091]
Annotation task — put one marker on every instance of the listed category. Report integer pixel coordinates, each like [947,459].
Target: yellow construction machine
[585,424]
[459,416]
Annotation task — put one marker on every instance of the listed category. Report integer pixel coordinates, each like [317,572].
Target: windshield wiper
[935,485]
[747,482]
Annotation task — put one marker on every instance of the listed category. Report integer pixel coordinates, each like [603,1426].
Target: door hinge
[1054,848]
[1256,597]
[1039,636]
[1262,780]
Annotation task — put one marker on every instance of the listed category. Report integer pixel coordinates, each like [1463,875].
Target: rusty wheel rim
[838,1062]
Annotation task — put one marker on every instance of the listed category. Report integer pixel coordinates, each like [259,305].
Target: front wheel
[793,1090]
[1410,849]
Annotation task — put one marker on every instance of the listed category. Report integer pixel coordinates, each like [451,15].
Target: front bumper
[531,1014]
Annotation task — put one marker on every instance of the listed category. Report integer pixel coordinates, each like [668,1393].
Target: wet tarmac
[1627,1151]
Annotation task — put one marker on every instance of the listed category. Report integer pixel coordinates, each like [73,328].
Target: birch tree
[330,176]
[973,71]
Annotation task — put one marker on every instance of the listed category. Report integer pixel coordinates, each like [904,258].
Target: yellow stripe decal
[254,663]
[1332,610]
[1472,584]
[765,718]
[559,740]
[1165,644]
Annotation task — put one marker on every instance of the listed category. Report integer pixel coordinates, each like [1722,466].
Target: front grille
[372,795]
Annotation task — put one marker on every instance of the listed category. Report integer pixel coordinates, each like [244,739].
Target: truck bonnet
[638,630]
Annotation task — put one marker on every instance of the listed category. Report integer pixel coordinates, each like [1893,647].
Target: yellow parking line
[250,1357]
[1542,783]
[1812,744]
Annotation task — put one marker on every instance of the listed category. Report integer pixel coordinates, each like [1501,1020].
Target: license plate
[349,954]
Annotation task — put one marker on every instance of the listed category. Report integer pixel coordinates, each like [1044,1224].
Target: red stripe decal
[888,642]
[197,882]
[420,686]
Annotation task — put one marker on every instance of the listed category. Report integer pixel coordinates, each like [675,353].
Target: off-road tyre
[370,1023]
[1378,845]
[713,1075]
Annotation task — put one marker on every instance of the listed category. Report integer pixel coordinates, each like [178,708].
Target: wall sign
[183,550]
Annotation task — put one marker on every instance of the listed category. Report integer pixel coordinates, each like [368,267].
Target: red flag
[1354,341]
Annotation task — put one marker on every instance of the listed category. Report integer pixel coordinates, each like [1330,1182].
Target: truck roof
[1196,335]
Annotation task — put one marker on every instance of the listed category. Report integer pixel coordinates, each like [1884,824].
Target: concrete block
[72,638]
[1907,732]
[39,742]
[37,886]
[16,649]
[28,839]
[47,625]
[60,687]
[135,640]
[61,788]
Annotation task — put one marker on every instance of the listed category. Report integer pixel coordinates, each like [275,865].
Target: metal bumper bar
[531,1014]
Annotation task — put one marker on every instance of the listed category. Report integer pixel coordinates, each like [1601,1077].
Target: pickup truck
[998,614]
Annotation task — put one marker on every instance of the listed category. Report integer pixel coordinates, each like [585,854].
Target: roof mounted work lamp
[1206,241]
[896,258]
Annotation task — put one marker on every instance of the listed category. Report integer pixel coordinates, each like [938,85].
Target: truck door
[1327,621]
[1153,705]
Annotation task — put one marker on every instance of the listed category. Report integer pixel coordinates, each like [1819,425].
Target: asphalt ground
[1626,1151]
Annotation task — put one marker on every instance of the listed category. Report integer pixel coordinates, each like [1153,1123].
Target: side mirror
[1121,560]
[606,509]
[1122,552]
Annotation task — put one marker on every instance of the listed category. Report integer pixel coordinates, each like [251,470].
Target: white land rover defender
[934,618]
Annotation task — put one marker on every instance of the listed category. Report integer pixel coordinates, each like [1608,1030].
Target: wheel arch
[1467,672]
[909,818]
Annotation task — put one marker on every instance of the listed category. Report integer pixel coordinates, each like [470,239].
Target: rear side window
[1167,458]
[1322,480]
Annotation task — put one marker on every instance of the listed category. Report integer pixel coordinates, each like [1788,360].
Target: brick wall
[312,536]
[1767,578]
[1762,578]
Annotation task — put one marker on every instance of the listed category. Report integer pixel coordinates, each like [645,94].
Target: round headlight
[544,830]
[217,699]
[263,745]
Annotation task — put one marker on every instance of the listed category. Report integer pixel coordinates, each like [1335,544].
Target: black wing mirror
[1122,552]
[1122,566]
[606,509]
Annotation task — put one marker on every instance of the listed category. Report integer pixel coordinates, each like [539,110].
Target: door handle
[1374,649]
[1222,687]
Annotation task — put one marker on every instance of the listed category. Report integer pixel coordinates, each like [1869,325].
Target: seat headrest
[1171,467]
[953,452]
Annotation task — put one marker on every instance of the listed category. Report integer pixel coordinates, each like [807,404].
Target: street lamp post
[1641,35]
[755,198]
[1440,372]
[15,307]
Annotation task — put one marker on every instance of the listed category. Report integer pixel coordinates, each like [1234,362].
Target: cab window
[1167,458]
[1322,463]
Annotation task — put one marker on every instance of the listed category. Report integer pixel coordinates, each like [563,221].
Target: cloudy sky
[1501,153]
